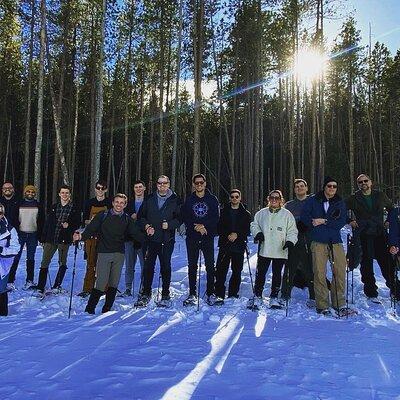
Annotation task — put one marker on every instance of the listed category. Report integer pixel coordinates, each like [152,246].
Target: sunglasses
[101,188]
[331,186]
[362,181]
[274,198]
[162,183]
[234,197]
[199,183]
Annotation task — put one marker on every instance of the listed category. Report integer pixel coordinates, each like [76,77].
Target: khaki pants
[91,258]
[109,267]
[321,254]
[48,252]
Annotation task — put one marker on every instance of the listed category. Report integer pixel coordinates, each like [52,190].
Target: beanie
[327,180]
[30,187]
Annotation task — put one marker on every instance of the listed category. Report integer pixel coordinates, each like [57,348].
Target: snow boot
[165,301]
[110,298]
[191,300]
[142,301]
[60,277]
[42,280]
[93,300]
[4,304]
[214,300]
[326,312]
[274,303]
[29,285]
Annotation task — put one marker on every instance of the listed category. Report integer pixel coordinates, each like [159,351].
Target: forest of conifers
[115,89]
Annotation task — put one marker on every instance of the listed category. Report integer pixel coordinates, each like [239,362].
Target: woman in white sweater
[274,228]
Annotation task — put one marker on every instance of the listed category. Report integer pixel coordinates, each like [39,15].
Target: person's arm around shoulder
[306,213]
[93,228]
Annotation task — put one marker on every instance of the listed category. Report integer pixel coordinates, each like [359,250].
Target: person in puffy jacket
[325,215]
[9,247]
[274,228]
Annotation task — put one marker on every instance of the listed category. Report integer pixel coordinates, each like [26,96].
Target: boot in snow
[93,300]
[110,298]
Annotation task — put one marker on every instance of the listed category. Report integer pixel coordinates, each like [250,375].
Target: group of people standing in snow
[298,238]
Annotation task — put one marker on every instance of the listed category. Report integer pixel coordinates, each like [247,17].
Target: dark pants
[376,248]
[31,241]
[262,269]
[193,247]
[164,253]
[226,257]
[299,264]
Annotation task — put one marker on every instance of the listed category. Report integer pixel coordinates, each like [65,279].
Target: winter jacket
[200,210]
[370,222]
[65,236]
[394,227]
[30,217]
[241,227]
[278,227]
[335,216]
[149,213]
[112,231]
[92,207]
[9,248]
[11,209]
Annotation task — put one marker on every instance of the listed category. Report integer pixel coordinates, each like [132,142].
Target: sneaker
[310,303]
[10,287]
[83,294]
[142,301]
[191,300]
[274,303]
[29,285]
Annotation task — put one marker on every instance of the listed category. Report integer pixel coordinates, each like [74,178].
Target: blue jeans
[31,241]
[131,256]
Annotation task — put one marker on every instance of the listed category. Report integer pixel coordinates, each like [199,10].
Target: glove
[288,245]
[259,237]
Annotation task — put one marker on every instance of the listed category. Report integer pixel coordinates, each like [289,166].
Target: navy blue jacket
[394,227]
[201,210]
[336,218]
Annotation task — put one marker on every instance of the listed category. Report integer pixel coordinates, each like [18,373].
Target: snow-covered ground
[218,353]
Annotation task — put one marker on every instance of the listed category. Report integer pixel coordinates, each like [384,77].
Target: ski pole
[248,264]
[287,270]
[161,259]
[347,272]
[330,247]
[199,281]
[73,278]
[258,259]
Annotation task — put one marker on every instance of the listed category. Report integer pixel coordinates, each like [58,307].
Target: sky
[384,16]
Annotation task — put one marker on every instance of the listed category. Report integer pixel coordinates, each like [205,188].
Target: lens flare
[309,64]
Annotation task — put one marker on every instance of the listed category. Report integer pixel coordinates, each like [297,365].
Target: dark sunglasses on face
[234,197]
[100,188]
[162,183]
[331,186]
[199,183]
[362,181]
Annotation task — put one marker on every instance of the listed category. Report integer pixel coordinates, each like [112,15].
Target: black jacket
[149,213]
[11,209]
[65,236]
[225,228]
[112,231]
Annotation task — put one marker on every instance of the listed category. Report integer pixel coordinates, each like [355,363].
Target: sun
[309,64]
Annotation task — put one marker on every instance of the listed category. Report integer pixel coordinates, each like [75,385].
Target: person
[30,225]
[111,227]
[91,208]
[61,221]
[9,247]
[368,206]
[274,228]
[233,229]
[133,249]
[200,214]
[325,215]
[394,243]
[299,264]
[159,217]
[10,203]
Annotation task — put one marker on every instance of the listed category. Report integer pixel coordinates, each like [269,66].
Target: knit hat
[327,180]
[30,187]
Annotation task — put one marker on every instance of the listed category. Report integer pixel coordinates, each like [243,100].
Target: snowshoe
[190,301]
[326,312]
[255,303]
[374,300]
[58,290]
[142,301]
[165,302]
[40,294]
[83,294]
[11,287]
[275,304]
[346,312]
[213,300]
[29,285]
[127,293]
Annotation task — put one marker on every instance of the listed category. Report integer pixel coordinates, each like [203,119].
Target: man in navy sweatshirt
[200,214]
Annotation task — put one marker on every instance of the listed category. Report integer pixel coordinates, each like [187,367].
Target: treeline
[97,88]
